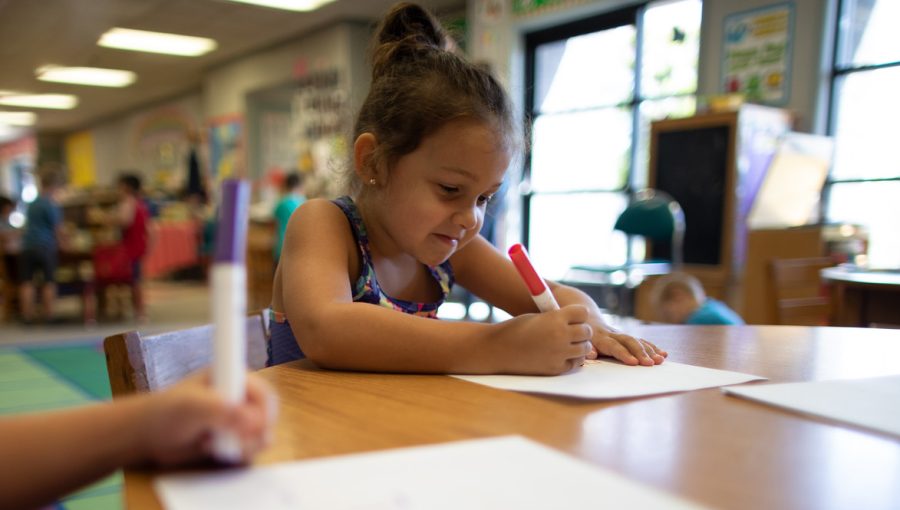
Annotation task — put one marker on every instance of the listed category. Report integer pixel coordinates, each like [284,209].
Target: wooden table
[863,298]
[716,450]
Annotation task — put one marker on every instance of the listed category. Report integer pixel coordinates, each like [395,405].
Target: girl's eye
[448,189]
[483,200]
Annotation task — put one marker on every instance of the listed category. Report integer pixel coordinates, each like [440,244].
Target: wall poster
[226,148]
[756,55]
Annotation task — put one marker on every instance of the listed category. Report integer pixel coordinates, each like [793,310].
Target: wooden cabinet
[713,165]
[260,264]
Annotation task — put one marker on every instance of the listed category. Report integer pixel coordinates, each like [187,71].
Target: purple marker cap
[231,234]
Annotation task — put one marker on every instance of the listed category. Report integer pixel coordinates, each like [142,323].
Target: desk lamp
[656,215]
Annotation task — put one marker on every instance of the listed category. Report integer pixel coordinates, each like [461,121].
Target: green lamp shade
[650,218]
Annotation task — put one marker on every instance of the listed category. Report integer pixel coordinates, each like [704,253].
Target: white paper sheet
[504,472]
[606,380]
[872,403]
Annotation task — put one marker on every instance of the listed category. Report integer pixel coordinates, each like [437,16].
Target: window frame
[836,74]
[618,17]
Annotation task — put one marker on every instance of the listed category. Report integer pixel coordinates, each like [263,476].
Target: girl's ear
[364,157]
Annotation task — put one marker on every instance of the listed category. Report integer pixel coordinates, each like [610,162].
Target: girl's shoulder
[319,231]
[321,219]
[316,217]
[320,209]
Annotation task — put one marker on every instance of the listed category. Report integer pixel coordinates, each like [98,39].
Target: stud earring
[372,181]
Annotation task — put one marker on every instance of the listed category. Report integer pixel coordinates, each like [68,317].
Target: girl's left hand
[625,348]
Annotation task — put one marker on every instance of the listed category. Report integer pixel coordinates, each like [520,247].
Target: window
[865,179]
[594,86]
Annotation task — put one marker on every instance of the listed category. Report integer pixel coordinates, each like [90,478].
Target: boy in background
[291,199]
[679,298]
[40,244]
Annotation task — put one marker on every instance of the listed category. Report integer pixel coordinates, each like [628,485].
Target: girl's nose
[467,217]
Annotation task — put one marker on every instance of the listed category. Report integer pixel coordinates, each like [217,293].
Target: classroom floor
[46,367]
[170,306]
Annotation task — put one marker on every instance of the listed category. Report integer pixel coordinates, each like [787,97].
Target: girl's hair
[664,289]
[419,84]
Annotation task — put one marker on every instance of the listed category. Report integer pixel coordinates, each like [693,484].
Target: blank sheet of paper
[504,472]
[606,380]
[870,403]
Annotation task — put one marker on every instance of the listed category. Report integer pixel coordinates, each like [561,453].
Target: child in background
[433,141]
[132,217]
[291,199]
[10,237]
[679,298]
[48,455]
[41,241]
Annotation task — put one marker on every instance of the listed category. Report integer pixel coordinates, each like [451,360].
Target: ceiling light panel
[52,101]
[156,42]
[17,118]
[290,5]
[93,76]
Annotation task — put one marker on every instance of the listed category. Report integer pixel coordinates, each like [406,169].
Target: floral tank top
[366,288]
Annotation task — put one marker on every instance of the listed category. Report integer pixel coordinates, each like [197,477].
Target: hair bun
[407,29]
[411,21]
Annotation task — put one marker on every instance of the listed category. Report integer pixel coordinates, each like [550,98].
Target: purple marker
[229,307]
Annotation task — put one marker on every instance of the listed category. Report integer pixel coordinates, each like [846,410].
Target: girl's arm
[317,263]
[48,455]
[490,275]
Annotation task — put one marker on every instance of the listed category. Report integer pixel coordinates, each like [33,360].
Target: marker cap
[231,234]
[520,259]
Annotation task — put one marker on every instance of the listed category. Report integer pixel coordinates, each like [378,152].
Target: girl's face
[433,200]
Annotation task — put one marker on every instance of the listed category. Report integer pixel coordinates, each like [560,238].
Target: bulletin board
[79,149]
[756,54]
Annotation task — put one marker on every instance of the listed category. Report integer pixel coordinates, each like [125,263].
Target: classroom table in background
[864,298]
[716,450]
[174,245]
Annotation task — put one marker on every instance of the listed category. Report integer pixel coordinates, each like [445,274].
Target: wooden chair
[138,363]
[797,292]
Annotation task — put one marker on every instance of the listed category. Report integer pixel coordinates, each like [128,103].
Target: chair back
[139,364]
[797,291]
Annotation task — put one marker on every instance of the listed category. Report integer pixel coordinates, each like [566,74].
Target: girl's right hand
[547,343]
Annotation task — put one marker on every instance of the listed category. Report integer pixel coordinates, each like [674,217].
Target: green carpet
[54,377]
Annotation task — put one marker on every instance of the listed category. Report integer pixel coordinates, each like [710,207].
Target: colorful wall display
[160,145]
[226,147]
[756,56]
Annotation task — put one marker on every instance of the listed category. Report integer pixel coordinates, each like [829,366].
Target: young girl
[432,144]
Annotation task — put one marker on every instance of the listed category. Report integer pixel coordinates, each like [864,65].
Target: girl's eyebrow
[461,171]
[467,174]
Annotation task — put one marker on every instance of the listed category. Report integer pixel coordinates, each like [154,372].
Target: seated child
[679,298]
[360,278]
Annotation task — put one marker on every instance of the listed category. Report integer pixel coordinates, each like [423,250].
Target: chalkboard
[691,165]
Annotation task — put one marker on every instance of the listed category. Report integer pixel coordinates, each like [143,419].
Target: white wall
[341,46]
[141,140]
[224,87]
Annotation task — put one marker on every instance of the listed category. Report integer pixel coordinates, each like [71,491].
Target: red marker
[541,295]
